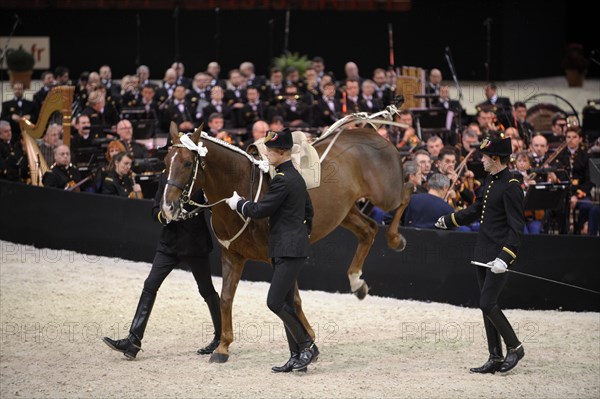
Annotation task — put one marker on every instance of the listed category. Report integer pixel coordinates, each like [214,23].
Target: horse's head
[184,166]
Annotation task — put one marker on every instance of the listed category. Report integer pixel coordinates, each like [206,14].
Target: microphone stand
[448,56]
[488,63]
[3,54]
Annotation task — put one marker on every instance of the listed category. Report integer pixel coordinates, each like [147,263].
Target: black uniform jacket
[289,208]
[182,238]
[60,176]
[500,212]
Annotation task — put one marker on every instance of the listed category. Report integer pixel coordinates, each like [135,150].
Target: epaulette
[514,180]
[280,173]
[108,179]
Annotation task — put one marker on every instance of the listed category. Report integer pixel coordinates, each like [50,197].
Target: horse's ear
[174,133]
[196,135]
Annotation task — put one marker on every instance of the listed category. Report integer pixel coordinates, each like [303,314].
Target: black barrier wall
[434,267]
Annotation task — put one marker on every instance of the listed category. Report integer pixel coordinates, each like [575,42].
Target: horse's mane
[229,146]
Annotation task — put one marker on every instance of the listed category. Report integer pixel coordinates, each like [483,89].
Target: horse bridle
[184,197]
[186,191]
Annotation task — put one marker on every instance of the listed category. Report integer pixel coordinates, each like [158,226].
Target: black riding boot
[495,348]
[515,351]
[308,350]
[131,345]
[294,355]
[214,307]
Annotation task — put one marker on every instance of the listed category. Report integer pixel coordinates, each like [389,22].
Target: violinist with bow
[459,194]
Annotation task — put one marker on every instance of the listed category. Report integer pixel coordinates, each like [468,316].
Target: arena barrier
[434,267]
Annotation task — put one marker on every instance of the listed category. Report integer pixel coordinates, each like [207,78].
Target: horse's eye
[187,164]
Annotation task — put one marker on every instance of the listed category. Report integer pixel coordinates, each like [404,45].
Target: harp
[59,99]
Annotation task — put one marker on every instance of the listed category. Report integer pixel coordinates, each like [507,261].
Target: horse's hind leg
[396,240]
[300,312]
[232,266]
[364,228]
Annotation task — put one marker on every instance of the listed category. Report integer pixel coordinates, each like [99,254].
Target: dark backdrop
[527,37]
[434,267]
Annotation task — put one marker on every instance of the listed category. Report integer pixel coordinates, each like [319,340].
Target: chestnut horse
[360,164]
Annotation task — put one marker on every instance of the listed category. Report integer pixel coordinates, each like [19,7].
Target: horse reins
[186,191]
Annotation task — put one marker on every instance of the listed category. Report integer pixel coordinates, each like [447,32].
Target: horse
[360,164]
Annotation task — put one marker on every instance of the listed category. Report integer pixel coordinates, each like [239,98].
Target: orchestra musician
[114,147]
[533,219]
[120,181]
[409,135]
[461,193]
[579,176]
[63,174]
[524,128]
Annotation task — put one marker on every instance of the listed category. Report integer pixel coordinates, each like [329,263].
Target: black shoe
[129,346]
[289,366]
[307,356]
[490,367]
[210,348]
[512,358]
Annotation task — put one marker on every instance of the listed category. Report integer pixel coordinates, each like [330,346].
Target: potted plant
[19,64]
[575,64]
[288,59]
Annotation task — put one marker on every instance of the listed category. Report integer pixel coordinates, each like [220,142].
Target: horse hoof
[401,245]
[362,292]
[218,358]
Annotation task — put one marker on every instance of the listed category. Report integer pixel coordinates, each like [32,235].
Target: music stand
[595,171]
[545,196]
[430,118]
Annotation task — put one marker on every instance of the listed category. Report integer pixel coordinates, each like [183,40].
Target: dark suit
[60,176]
[101,122]
[322,114]
[503,109]
[500,212]
[114,184]
[290,212]
[19,107]
[13,165]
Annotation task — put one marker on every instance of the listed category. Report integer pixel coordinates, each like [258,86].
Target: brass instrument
[59,99]
[134,194]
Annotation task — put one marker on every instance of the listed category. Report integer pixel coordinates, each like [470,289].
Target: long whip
[538,277]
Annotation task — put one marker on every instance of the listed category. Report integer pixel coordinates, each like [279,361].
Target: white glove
[233,200]
[441,224]
[498,266]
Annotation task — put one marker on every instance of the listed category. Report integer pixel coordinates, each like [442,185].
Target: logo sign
[38,46]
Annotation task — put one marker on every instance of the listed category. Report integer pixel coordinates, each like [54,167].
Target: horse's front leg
[232,266]
[364,228]
[300,312]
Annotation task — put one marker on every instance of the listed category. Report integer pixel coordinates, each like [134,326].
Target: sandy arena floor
[56,305]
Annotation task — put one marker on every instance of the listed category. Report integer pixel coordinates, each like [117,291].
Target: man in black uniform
[63,173]
[188,242]
[290,213]
[15,109]
[13,165]
[500,213]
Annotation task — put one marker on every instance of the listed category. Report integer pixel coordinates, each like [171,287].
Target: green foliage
[288,59]
[19,60]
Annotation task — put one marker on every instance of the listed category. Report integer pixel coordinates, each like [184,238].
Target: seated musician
[114,147]
[501,106]
[120,181]
[50,142]
[423,208]
[180,111]
[103,116]
[540,156]
[215,128]
[522,163]
[63,174]
[407,137]
[13,166]
[423,159]
[579,173]
[469,142]
[462,190]
[413,174]
[125,133]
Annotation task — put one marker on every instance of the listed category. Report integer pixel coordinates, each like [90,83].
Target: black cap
[497,145]
[282,139]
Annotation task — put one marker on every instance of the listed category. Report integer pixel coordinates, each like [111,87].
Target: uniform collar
[284,166]
[503,173]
